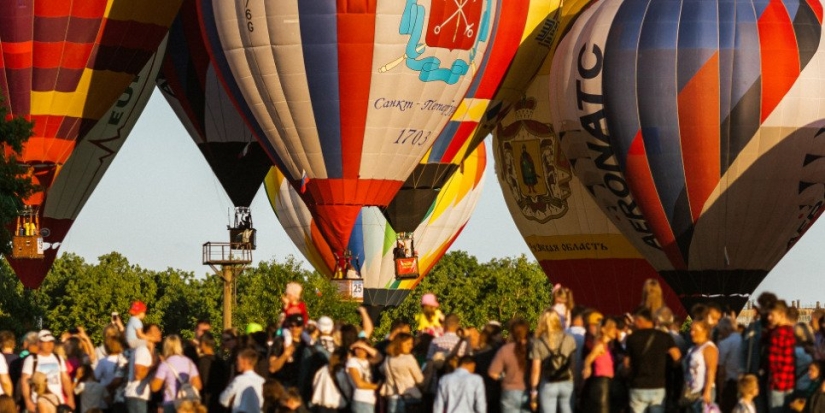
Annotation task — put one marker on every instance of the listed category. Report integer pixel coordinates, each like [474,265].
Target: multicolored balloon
[69,184]
[696,125]
[573,240]
[349,95]
[455,142]
[192,88]
[373,239]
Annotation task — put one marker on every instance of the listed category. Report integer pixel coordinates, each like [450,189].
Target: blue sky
[159,203]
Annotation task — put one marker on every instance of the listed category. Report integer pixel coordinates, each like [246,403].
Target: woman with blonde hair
[47,401]
[551,376]
[173,372]
[701,363]
[652,295]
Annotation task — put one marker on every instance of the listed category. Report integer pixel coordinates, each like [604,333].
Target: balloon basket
[350,289]
[27,247]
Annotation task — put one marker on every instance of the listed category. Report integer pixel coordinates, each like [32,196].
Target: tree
[15,184]
[498,290]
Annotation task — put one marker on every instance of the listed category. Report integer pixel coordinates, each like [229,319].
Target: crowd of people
[573,360]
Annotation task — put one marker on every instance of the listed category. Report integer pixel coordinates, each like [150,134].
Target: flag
[304,181]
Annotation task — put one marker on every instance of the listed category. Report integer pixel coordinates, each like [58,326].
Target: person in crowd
[450,342]
[490,340]
[134,327]
[330,386]
[509,366]
[551,376]
[245,392]
[213,371]
[12,359]
[192,347]
[30,344]
[801,398]
[461,391]
[398,326]
[5,378]
[563,304]
[289,362]
[730,342]
[111,330]
[293,304]
[748,386]
[360,376]
[803,354]
[754,352]
[648,351]
[91,393]
[111,371]
[700,366]
[652,296]
[188,406]
[325,329]
[141,367]
[430,318]
[174,370]
[818,325]
[291,402]
[402,376]
[52,368]
[598,370]
[781,366]
[47,400]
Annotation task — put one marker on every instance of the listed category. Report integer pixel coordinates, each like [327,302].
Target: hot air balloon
[696,126]
[573,240]
[349,95]
[64,65]
[373,240]
[193,90]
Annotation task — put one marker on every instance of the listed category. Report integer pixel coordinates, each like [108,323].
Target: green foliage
[15,184]
[77,293]
[498,290]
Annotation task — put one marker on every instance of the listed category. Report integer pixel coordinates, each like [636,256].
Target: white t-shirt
[4,369]
[363,367]
[139,389]
[52,367]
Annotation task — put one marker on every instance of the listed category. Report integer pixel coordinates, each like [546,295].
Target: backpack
[186,391]
[439,366]
[556,367]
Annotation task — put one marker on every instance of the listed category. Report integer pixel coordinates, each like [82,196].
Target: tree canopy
[77,293]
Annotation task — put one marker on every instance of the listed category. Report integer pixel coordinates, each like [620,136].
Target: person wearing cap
[48,363]
[134,328]
[289,362]
[325,328]
[430,318]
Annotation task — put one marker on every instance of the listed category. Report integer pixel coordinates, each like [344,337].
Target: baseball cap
[595,318]
[45,335]
[137,308]
[253,328]
[325,325]
[429,299]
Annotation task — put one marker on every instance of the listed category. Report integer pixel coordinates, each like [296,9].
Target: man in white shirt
[245,393]
[461,391]
[141,363]
[53,367]
[5,378]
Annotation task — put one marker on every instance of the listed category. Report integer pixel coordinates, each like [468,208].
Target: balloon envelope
[349,95]
[192,88]
[574,241]
[696,126]
[373,239]
[79,176]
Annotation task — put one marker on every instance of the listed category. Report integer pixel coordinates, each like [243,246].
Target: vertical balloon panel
[703,139]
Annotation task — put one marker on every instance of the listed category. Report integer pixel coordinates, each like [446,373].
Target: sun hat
[429,299]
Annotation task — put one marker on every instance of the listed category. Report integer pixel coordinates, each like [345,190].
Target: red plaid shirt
[781,363]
